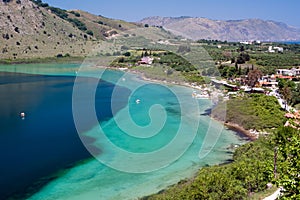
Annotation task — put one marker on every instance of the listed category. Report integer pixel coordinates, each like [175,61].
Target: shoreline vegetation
[63,59]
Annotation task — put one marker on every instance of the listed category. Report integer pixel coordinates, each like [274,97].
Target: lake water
[44,157]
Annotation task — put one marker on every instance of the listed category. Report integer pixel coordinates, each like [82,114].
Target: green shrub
[80,25]
[89,32]
[77,14]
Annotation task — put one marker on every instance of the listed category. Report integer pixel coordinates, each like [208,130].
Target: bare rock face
[232,30]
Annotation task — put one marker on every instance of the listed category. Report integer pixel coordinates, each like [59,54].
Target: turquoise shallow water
[174,106]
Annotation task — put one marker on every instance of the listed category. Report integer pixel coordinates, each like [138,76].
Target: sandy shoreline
[144,77]
[240,130]
[232,126]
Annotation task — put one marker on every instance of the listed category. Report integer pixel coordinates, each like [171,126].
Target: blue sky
[287,11]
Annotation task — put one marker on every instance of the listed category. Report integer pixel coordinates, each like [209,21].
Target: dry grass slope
[30,31]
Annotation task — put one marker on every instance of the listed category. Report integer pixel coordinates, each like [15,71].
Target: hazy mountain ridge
[230,30]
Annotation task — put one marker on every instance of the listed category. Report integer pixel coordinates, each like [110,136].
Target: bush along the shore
[250,172]
[269,159]
[272,158]
[255,111]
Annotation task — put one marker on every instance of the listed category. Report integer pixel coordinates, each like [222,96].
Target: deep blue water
[45,141]
[291,42]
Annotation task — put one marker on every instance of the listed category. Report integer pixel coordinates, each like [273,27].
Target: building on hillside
[293,120]
[246,42]
[146,61]
[272,49]
[268,81]
[278,49]
[294,72]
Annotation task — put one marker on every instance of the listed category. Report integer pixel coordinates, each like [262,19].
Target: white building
[271,50]
[288,72]
[279,49]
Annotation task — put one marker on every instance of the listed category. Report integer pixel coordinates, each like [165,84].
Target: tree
[288,90]
[242,48]
[240,71]
[232,60]
[287,94]
[127,54]
[296,95]
[287,139]
[242,58]
[146,53]
[253,77]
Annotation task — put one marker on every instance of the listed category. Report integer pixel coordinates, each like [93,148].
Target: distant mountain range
[232,30]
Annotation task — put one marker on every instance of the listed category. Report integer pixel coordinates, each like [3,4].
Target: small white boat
[22,115]
[137,101]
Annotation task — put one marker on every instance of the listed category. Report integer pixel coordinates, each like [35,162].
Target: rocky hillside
[102,27]
[32,29]
[234,30]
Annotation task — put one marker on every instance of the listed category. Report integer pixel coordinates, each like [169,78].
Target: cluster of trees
[242,58]
[254,111]
[256,53]
[7,1]
[176,62]
[227,71]
[278,60]
[145,53]
[214,42]
[165,58]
